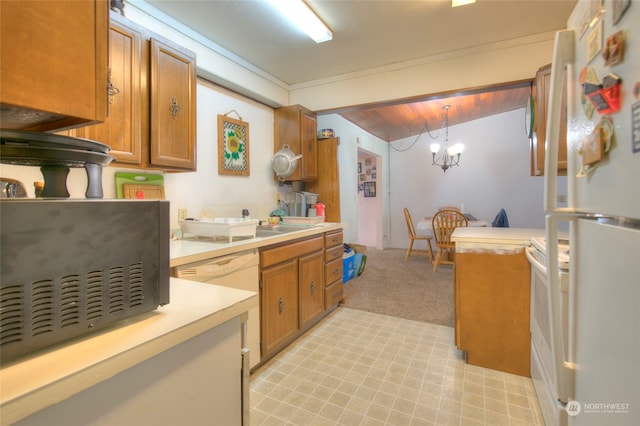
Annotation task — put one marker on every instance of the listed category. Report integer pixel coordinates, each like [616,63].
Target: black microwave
[72,267]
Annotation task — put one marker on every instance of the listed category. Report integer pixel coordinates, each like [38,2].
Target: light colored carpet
[410,290]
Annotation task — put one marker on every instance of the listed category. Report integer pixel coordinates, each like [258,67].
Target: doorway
[369,199]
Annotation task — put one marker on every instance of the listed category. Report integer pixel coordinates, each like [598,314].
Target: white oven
[543,367]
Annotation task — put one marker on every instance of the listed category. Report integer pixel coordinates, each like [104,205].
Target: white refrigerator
[599,372]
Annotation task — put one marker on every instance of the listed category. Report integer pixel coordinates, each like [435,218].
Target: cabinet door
[328,182]
[53,63]
[279,305]
[309,146]
[543,87]
[123,128]
[173,107]
[296,126]
[311,287]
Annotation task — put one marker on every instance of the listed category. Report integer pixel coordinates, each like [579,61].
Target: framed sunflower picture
[233,146]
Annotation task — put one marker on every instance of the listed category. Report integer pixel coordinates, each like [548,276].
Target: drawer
[333,271]
[333,294]
[332,239]
[273,256]
[333,253]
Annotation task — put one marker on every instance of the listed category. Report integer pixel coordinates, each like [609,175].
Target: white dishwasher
[239,270]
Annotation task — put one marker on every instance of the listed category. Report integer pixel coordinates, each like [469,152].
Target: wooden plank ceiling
[396,120]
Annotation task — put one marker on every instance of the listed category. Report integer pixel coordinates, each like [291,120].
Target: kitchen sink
[269,231]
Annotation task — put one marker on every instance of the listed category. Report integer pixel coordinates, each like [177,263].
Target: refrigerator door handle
[564,366]
[563,54]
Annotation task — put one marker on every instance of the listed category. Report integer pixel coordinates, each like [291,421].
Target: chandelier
[446,156]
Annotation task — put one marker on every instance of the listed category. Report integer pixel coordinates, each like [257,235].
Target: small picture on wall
[367,162]
[363,177]
[360,187]
[368,172]
[374,175]
[359,167]
[233,146]
[369,189]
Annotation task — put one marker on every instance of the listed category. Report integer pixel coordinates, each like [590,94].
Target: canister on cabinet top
[320,209]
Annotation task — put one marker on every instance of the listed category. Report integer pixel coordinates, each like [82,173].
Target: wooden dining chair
[413,237]
[444,222]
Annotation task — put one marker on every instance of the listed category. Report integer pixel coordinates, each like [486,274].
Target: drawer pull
[280,305]
[313,287]
[335,271]
[335,293]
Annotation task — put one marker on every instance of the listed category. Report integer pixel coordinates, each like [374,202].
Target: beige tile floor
[360,368]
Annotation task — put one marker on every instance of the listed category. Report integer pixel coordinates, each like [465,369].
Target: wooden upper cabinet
[297,127]
[145,128]
[53,63]
[123,128]
[327,185]
[173,107]
[542,92]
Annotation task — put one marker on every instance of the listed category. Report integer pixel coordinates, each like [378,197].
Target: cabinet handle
[175,108]
[112,90]
[313,287]
[280,305]
[335,293]
[335,271]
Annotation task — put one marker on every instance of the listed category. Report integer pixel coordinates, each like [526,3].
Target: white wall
[204,192]
[494,173]
[353,138]
[480,66]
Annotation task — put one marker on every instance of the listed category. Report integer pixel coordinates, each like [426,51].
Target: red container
[319,209]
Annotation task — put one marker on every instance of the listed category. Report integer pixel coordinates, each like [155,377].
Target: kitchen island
[179,364]
[492,297]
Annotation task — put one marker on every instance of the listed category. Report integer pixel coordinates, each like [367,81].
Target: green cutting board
[123,178]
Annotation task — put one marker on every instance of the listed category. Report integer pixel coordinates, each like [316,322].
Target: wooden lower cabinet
[333,294]
[295,291]
[492,297]
[333,267]
[311,288]
[291,291]
[278,304]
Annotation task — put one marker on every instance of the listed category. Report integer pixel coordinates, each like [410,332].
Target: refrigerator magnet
[613,51]
[619,8]
[596,145]
[594,41]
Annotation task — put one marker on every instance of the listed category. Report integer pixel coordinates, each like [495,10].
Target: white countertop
[493,239]
[194,250]
[37,382]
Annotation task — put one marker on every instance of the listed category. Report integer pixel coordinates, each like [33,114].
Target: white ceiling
[367,33]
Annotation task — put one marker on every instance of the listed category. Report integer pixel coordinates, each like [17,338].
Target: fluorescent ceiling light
[299,13]
[456,3]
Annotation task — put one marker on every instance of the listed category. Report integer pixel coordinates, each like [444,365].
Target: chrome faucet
[245,213]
